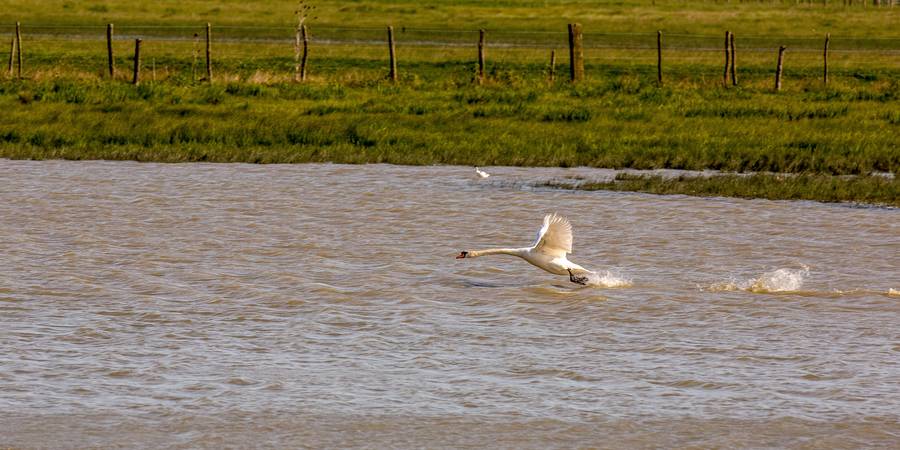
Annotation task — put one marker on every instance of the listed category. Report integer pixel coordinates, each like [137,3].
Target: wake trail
[608,279]
[779,280]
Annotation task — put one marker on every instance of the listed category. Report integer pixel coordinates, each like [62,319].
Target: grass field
[876,190]
[703,17]
[347,112]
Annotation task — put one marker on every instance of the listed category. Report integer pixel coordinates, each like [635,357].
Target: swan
[481,173]
[554,241]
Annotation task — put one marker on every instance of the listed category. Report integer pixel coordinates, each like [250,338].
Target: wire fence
[249,49]
[411,36]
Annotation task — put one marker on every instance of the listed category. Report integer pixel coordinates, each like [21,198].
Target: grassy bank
[876,190]
[618,121]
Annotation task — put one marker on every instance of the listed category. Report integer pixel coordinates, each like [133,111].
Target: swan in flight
[481,173]
[548,252]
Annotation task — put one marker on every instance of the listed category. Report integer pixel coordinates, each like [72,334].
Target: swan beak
[461,255]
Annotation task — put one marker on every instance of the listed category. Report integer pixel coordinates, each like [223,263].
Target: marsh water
[230,305]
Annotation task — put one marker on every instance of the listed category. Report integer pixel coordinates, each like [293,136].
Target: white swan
[481,173]
[548,252]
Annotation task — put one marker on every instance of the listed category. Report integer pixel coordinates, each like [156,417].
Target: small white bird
[481,173]
[554,241]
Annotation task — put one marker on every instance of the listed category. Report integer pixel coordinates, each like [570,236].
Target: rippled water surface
[202,305]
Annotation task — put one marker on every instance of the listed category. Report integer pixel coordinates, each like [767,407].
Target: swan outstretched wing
[555,237]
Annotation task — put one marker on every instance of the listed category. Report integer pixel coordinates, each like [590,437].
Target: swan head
[462,255]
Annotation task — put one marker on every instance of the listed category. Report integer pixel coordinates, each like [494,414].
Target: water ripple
[321,305]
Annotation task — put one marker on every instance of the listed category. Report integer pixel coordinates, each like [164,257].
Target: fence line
[576,38]
[649,38]
[288,31]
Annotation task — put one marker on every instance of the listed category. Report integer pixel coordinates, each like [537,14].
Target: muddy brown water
[214,305]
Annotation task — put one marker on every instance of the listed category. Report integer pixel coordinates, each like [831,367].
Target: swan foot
[576,279]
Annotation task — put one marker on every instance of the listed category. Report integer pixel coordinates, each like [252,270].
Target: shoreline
[874,190]
[870,190]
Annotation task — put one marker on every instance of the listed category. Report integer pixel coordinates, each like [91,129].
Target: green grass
[684,16]
[877,190]
[620,121]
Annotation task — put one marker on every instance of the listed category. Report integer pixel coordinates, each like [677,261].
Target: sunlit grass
[691,16]
[878,190]
[618,121]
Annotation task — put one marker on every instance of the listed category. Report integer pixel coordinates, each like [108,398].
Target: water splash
[608,279]
[779,280]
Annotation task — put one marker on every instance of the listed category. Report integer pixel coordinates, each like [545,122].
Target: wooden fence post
[19,49]
[137,62]
[12,55]
[576,52]
[825,60]
[727,58]
[196,57]
[480,77]
[393,53]
[109,51]
[298,42]
[301,53]
[305,37]
[778,68]
[208,53]
[733,69]
[659,57]
[552,66]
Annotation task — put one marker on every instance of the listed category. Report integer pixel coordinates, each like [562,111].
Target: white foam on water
[779,280]
[723,286]
[608,279]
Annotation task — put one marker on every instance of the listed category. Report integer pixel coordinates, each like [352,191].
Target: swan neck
[496,251]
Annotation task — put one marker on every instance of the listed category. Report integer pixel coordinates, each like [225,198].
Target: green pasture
[705,17]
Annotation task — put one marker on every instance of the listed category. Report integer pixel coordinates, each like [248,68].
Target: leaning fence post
[208,52]
[778,68]
[727,59]
[480,78]
[19,48]
[301,45]
[109,50]
[137,62]
[659,57]
[825,59]
[552,74]
[733,69]
[393,53]
[576,52]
